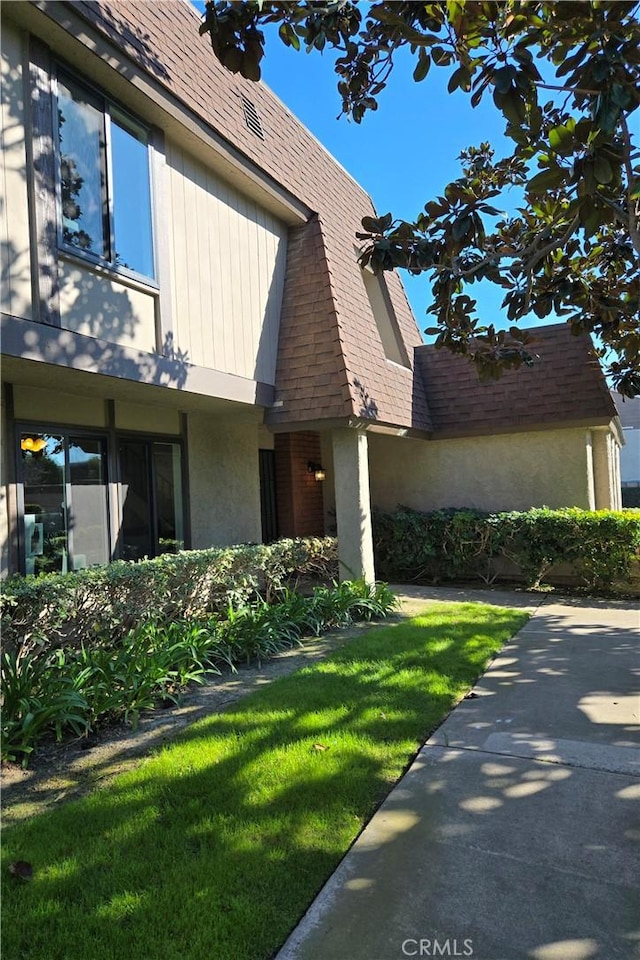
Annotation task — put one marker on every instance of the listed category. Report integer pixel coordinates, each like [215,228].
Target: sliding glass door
[64,488]
[66,518]
[151,492]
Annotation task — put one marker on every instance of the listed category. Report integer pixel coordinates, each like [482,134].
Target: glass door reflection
[137,537]
[45,527]
[152,501]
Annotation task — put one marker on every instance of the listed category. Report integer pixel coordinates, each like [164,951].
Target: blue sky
[404,154]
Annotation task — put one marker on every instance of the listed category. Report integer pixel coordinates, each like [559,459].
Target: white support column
[617,485]
[603,466]
[591,483]
[353,505]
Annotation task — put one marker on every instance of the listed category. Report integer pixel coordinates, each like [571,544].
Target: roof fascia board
[73,38]
[339,423]
[546,426]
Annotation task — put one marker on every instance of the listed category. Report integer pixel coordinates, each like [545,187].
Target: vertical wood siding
[100,306]
[15,288]
[228,258]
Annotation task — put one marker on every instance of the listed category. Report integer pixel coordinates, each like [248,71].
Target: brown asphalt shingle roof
[564,387]
[330,355]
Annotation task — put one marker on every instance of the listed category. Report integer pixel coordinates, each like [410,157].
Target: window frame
[65,431]
[149,439]
[108,105]
[114,510]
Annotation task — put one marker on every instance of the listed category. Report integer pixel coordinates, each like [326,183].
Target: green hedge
[69,609]
[466,544]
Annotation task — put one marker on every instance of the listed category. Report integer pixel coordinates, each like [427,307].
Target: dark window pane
[268,506]
[131,197]
[136,533]
[168,496]
[88,516]
[82,169]
[45,513]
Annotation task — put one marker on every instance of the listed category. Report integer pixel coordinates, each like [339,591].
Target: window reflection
[66,517]
[107,216]
[82,179]
[131,197]
[88,516]
[168,495]
[151,488]
[65,525]
[45,514]
[136,531]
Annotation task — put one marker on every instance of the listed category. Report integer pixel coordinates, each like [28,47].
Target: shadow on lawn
[67,770]
[220,842]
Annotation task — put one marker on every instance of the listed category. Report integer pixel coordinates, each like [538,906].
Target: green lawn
[215,846]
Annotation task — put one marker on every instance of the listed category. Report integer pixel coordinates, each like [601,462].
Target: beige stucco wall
[15,288]
[505,472]
[52,406]
[146,418]
[44,405]
[96,305]
[224,484]
[265,438]
[228,259]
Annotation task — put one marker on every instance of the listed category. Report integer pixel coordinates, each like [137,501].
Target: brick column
[299,494]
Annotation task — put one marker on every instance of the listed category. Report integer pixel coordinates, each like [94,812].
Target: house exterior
[544,435]
[187,337]
[629,413]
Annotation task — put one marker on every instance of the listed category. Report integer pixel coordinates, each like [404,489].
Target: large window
[151,489]
[66,512]
[65,525]
[104,191]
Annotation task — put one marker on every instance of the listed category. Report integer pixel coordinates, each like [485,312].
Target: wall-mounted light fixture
[317,470]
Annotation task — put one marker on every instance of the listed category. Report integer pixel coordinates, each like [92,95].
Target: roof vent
[251,116]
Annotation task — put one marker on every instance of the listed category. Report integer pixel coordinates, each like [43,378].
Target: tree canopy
[566,78]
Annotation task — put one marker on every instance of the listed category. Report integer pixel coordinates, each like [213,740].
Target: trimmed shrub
[465,544]
[74,608]
[439,545]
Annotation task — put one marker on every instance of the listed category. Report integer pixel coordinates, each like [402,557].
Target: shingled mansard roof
[565,387]
[331,362]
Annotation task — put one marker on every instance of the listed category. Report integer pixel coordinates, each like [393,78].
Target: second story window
[104,190]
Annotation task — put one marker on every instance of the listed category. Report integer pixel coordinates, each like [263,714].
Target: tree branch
[497,255]
[541,254]
[551,86]
[634,231]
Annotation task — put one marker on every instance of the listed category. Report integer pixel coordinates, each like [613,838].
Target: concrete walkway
[516,831]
